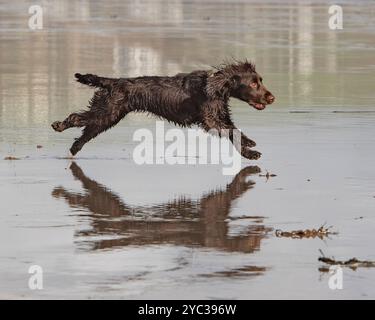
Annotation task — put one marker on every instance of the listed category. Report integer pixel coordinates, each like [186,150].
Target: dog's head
[240,80]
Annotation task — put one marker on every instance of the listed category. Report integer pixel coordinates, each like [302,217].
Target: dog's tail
[94,81]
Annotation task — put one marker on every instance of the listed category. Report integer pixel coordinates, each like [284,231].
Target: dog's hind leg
[74,120]
[89,132]
[92,130]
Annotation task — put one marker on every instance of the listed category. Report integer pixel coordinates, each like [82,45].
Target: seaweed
[352,263]
[268,175]
[11,158]
[321,233]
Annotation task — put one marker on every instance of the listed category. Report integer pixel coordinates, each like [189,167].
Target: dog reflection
[203,222]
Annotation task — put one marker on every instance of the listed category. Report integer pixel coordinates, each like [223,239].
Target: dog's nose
[270,98]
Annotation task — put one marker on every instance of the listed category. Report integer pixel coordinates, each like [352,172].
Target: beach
[100,226]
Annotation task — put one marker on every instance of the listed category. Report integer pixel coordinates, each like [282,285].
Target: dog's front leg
[227,128]
[246,145]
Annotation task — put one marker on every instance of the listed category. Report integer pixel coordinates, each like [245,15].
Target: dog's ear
[219,86]
[236,81]
[229,85]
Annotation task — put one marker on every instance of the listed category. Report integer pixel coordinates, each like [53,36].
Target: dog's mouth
[258,106]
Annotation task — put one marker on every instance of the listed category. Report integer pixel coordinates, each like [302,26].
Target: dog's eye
[254,85]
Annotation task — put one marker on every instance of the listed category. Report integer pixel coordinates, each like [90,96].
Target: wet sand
[102,227]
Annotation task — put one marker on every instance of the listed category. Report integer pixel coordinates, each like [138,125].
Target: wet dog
[197,98]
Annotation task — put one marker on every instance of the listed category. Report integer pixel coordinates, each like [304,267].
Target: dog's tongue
[259,106]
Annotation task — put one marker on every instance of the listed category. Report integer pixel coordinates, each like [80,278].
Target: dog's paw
[250,144]
[74,149]
[57,126]
[254,155]
[251,154]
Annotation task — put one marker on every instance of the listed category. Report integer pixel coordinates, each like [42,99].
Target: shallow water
[101,226]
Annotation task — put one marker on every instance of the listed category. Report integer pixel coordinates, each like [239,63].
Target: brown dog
[196,98]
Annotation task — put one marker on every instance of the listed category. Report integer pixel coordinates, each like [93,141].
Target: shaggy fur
[186,99]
